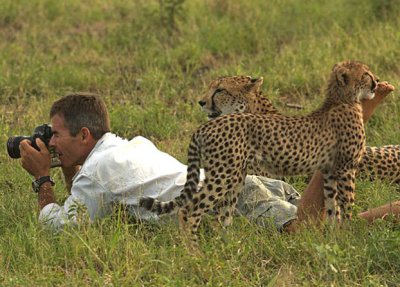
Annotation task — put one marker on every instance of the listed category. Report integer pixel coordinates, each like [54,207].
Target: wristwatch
[38,182]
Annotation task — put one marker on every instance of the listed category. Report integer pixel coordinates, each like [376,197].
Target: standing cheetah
[242,94]
[330,139]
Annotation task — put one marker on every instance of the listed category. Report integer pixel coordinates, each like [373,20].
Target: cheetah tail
[190,188]
[159,207]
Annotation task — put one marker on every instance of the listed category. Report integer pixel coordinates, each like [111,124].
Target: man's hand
[37,163]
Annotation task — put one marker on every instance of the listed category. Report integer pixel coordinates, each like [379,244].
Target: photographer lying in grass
[103,170]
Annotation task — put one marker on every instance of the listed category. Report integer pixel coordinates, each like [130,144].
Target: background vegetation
[152,61]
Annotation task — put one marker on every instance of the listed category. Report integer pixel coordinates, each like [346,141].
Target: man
[102,170]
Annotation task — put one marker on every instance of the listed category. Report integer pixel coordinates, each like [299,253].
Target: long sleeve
[87,200]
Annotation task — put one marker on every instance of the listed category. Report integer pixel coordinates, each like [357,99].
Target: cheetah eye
[218,90]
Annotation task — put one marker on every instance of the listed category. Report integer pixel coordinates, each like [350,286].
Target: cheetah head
[352,81]
[228,95]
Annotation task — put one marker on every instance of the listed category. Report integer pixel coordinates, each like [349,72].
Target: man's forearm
[69,173]
[46,195]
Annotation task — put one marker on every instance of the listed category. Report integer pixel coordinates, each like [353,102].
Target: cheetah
[242,94]
[381,163]
[330,139]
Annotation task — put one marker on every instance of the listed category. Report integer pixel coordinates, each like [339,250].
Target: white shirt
[119,171]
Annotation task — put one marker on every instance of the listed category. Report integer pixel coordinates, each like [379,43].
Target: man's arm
[37,163]
[46,195]
[88,201]
[88,193]
[69,173]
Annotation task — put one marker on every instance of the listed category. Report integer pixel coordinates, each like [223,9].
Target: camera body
[43,132]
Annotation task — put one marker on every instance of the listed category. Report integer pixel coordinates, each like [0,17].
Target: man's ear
[85,134]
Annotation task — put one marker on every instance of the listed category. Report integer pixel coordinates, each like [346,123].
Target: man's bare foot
[369,106]
[383,89]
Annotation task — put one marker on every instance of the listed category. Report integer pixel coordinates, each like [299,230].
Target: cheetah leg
[225,215]
[190,217]
[330,197]
[227,208]
[226,211]
[183,225]
[346,193]
[219,211]
[189,225]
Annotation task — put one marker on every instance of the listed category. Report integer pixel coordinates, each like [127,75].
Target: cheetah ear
[342,75]
[256,84]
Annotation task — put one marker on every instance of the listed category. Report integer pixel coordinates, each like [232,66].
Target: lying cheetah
[236,94]
[242,94]
[331,139]
[381,162]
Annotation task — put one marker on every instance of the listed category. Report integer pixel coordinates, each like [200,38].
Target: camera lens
[13,146]
[42,132]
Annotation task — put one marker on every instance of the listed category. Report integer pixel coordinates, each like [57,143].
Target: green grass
[152,65]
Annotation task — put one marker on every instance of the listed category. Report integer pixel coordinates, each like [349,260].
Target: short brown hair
[83,110]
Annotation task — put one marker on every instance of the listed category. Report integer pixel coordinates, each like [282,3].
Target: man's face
[71,148]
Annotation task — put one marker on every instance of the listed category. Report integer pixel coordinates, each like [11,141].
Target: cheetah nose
[202,103]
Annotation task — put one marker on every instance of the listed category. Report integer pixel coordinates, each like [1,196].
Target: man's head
[83,110]
[78,121]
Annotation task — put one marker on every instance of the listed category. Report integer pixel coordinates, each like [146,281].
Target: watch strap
[38,182]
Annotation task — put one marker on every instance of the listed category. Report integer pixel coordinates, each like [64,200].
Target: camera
[43,132]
